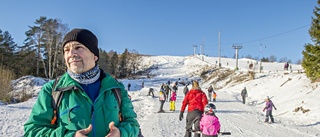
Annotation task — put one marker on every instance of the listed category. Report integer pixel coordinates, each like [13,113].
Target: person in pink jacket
[209,124]
[173,99]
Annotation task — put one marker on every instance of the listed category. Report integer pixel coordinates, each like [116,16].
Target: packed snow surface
[288,89]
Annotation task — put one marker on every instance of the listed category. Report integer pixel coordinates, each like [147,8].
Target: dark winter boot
[161,111]
[272,121]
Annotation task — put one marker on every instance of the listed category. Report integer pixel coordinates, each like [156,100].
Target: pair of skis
[220,133]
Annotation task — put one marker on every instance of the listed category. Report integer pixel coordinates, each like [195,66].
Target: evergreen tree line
[41,54]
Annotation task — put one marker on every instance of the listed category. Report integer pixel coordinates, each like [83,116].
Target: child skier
[268,107]
[214,95]
[173,99]
[209,124]
[162,99]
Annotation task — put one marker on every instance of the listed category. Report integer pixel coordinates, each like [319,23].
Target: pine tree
[265,59]
[123,64]
[114,64]
[7,49]
[311,54]
[24,57]
[34,42]
[103,61]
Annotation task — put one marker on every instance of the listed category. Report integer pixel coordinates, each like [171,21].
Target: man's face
[78,57]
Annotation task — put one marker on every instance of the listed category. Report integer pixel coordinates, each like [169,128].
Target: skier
[185,90]
[210,89]
[151,92]
[175,88]
[286,65]
[162,88]
[162,99]
[269,105]
[209,124]
[214,95]
[173,99]
[244,94]
[142,85]
[196,100]
[129,85]
[167,91]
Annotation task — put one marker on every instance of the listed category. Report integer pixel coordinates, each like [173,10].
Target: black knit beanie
[85,37]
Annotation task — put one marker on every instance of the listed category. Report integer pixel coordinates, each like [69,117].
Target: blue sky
[172,27]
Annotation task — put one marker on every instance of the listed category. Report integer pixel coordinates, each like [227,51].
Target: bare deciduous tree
[134,60]
[46,38]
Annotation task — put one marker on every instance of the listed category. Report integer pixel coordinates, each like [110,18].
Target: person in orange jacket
[214,95]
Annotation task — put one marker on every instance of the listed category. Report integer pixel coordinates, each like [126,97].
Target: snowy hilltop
[296,98]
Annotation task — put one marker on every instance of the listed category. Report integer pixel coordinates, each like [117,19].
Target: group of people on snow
[286,66]
[201,113]
[201,110]
[168,94]
[269,105]
[212,94]
[129,85]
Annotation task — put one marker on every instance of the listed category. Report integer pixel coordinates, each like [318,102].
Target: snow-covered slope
[240,119]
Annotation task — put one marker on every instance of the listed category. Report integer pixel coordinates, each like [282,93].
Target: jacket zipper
[92,119]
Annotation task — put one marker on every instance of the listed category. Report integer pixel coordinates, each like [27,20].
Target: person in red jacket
[196,100]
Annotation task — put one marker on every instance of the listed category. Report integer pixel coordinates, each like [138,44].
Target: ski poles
[220,133]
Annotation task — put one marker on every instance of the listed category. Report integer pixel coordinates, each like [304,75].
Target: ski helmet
[210,108]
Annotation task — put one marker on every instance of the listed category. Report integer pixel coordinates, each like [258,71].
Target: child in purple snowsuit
[268,107]
[209,124]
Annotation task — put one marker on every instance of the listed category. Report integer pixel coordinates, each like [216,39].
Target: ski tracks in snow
[240,119]
[244,120]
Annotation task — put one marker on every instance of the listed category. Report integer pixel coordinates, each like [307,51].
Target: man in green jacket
[88,106]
